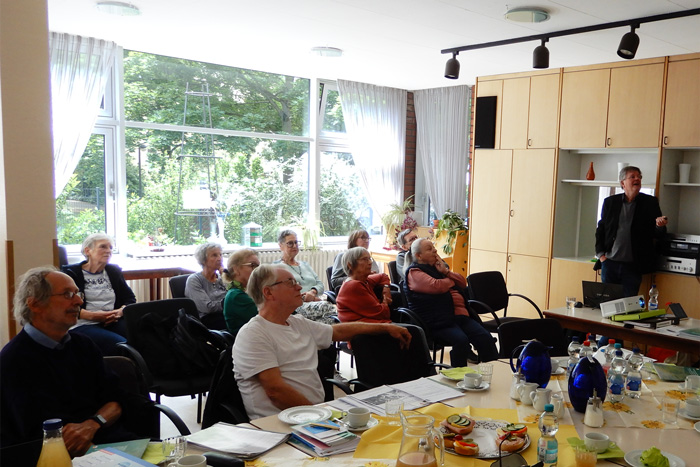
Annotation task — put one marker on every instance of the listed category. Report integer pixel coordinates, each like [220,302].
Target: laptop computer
[596,292]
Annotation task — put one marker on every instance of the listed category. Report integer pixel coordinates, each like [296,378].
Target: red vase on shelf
[590,175]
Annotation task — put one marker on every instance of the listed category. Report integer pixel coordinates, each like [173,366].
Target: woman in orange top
[357,300]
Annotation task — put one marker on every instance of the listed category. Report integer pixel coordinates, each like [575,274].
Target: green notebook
[669,372]
[637,315]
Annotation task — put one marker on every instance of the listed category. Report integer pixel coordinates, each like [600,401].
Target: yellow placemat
[383,441]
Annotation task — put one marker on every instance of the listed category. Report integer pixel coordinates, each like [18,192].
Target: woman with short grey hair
[205,288]
[357,299]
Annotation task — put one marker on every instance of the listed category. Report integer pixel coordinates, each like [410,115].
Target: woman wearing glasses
[106,294]
[356,238]
[238,306]
[357,300]
[312,288]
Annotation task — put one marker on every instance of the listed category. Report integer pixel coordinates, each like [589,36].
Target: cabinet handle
[512,213]
[609,142]
[509,258]
[529,142]
[665,140]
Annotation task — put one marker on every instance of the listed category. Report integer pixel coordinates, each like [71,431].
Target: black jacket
[122,292]
[643,229]
[436,310]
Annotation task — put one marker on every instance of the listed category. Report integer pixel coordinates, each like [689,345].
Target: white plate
[697,427]
[485,435]
[685,414]
[304,414]
[483,387]
[372,422]
[632,459]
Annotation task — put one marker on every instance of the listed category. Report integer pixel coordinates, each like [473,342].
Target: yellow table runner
[383,441]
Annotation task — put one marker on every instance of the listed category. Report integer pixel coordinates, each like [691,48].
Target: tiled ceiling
[393,43]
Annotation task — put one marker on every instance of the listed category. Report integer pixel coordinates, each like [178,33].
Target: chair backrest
[379,359]
[62,256]
[394,273]
[224,402]
[547,330]
[177,285]
[488,287]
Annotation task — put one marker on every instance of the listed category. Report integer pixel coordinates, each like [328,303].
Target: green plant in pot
[451,224]
[394,218]
[309,231]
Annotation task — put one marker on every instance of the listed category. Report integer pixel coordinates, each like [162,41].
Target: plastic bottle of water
[653,298]
[547,446]
[574,350]
[633,381]
[586,349]
[594,343]
[616,377]
[608,352]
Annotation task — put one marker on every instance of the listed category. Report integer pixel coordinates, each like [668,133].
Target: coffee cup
[692,407]
[357,417]
[194,460]
[597,442]
[472,380]
[692,382]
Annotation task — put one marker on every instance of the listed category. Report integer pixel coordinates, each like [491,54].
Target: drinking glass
[570,302]
[585,457]
[174,449]
[393,411]
[486,371]
[669,409]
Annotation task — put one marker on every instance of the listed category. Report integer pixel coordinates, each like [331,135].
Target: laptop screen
[596,292]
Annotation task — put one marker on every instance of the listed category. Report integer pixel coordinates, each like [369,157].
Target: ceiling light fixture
[540,56]
[327,51]
[633,23]
[527,15]
[452,67]
[629,43]
[118,8]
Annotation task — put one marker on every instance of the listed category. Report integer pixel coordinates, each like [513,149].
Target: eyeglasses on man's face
[292,243]
[291,282]
[68,295]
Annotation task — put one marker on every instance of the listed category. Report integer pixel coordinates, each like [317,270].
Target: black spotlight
[629,43]
[452,67]
[540,56]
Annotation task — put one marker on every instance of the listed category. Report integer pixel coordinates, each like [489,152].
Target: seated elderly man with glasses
[275,354]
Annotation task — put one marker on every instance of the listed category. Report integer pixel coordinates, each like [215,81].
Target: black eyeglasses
[292,244]
[252,265]
[68,295]
[291,282]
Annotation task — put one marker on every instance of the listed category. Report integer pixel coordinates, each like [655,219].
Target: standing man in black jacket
[624,239]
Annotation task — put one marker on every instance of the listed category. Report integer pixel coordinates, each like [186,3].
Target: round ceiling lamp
[527,15]
[327,51]
[118,8]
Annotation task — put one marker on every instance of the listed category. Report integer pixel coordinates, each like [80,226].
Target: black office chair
[488,294]
[408,316]
[150,344]
[177,285]
[224,401]
[330,293]
[394,273]
[547,330]
[140,415]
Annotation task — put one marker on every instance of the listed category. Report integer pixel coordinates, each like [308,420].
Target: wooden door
[682,114]
[516,98]
[532,200]
[584,108]
[527,275]
[480,261]
[635,106]
[490,204]
[544,116]
[565,280]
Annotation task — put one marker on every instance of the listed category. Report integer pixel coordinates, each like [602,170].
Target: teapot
[534,362]
[418,442]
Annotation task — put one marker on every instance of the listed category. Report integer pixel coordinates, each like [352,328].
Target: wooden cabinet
[489,214]
[682,114]
[527,275]
[516,102]
[481,260]
[566,277]
[615,107]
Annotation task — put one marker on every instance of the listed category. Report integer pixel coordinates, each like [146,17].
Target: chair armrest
[485,306]
[225,336]
[134,355]
[173,417]
[531,302]
[342,385]
[332,296]
[441,365]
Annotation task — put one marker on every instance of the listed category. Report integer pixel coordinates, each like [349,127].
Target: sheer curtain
[375,121]
[442,117]
[80,67]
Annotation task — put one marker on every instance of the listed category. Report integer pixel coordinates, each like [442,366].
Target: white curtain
[80,67]
[442,145]
[375,121]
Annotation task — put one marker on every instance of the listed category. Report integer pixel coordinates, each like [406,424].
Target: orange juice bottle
[53,451]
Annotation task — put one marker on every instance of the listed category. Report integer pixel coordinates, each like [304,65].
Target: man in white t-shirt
[275,353]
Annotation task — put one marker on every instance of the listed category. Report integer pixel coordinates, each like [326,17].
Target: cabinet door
[516,99]
[480,261]
[493,88]
[682,115]
[544,102]
[532,198]
[527,275]
[635,106]
[584,107]
[488,224]
[565,280]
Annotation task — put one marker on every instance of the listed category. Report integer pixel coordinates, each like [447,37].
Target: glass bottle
[53,451]
[547,446]
[653,298]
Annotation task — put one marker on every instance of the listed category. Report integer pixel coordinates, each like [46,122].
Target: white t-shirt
[261,345]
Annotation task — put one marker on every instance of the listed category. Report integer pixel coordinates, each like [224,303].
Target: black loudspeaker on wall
[485,124]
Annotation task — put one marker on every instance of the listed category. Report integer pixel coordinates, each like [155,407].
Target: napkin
[457,373]
[613,450]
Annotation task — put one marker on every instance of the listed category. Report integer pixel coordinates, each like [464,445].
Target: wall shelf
[683,184]
[602,183]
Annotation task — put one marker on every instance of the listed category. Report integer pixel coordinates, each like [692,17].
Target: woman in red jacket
[357,300]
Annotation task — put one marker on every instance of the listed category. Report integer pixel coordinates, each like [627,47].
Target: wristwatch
[99,419]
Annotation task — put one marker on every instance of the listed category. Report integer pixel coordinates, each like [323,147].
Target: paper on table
[375,399]
[428,390]
[109,457]
[243,442]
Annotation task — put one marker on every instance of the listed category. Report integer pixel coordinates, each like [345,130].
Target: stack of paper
[246,443]
[323,438]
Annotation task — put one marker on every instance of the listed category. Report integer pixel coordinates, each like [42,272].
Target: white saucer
[372,422]
[483,387]
[685,414]
[632,458]
[697,427]
[304,414]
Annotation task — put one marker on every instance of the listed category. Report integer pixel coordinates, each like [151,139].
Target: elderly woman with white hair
[106,294]
[205,288]
[357,299]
